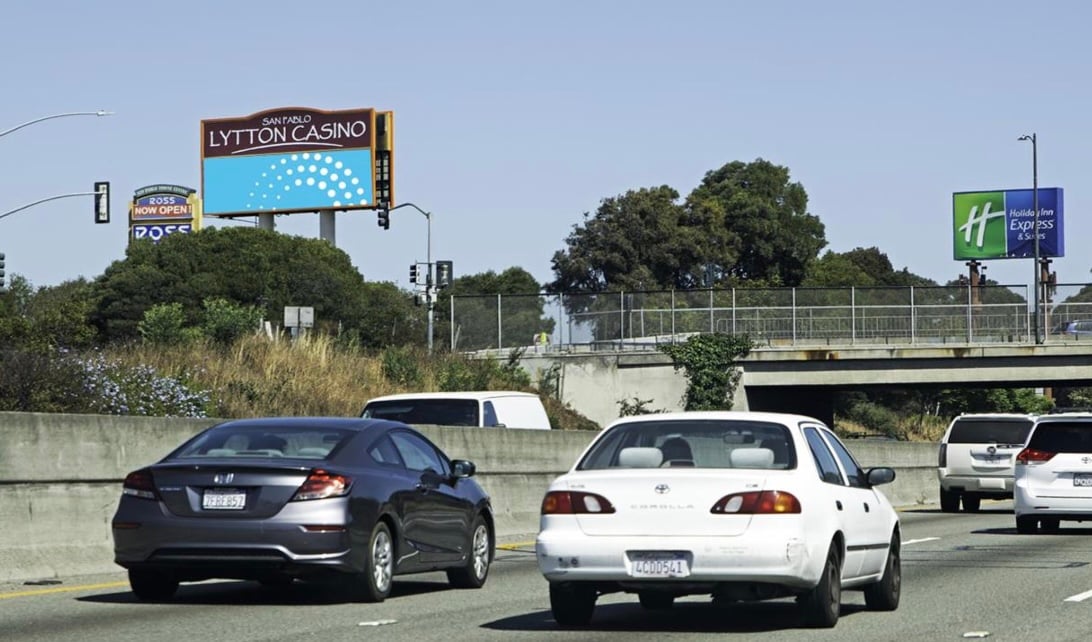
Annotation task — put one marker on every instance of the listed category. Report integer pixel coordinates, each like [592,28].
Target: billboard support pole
[1035,228]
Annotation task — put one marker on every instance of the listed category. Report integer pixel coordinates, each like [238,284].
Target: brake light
[942,458]
[321,485]
[1033,456]
[565,502]
[766,502]
[140,484]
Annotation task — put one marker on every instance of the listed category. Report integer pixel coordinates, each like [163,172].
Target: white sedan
[738,505]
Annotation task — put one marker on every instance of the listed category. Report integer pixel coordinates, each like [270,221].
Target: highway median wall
[60,480]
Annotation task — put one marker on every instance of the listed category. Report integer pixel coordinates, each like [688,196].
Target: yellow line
[63,589]
[515,546]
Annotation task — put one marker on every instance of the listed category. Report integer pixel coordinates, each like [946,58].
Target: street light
[101,112]
[430,296]
[1035,226]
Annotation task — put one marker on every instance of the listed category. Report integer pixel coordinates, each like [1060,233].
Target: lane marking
[919,541]
[64,589]
[515,546]
[1079,597]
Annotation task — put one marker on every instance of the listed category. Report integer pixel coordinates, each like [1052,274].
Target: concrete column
[265,221]
[327,227]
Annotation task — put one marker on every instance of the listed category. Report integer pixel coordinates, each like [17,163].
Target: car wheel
[572,604]
[949,501]
[1050,524]
[971,503]
[823,604]
[1026,524]
[656,600]
[479,555]
[152,585]
[374,583]
[884,595]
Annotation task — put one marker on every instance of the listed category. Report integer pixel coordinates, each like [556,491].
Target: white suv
[976,458]
[1054,473]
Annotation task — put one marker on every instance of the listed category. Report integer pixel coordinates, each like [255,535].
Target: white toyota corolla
[739,505]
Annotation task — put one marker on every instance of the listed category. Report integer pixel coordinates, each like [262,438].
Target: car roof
[722,415]
[1065,416]
[474,394]
[343,423]
[996,415]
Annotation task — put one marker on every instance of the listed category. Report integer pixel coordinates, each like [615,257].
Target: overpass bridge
[811,343]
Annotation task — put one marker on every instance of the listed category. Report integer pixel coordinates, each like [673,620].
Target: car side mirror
[463,468]
[878,476]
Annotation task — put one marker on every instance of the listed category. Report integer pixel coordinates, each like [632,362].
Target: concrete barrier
[60,479]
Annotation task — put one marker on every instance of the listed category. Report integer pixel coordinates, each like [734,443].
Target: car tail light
[140,484]
[942,458]
[321,485]
[1033,456]
[766,502]
[565,502]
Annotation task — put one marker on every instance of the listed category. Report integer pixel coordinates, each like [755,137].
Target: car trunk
[227,490]
[665,502]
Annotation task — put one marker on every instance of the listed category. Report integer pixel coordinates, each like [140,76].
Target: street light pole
[1035,226]
[101,112]
[430,294]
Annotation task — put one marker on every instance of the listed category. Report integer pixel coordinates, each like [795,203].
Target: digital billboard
[293,159]
[1000,224]
[159,210]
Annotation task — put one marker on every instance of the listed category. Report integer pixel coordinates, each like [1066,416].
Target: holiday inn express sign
[1000,224]
[293,159]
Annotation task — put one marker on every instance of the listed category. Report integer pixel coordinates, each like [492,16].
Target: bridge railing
[772,316]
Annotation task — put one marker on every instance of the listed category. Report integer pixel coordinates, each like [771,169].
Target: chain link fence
[772,316]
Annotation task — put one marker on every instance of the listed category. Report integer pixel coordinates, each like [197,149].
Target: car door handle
[838,503]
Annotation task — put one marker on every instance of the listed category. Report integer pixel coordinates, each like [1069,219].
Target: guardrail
[775,316]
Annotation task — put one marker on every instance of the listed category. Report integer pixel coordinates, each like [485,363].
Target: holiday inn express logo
[1000,224]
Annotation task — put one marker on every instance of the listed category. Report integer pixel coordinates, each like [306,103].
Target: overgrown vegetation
[709,361]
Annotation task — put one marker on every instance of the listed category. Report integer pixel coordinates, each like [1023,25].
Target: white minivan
[487,409]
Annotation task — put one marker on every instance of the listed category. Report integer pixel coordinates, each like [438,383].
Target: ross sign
[292,159]
[1000,224]
[159,210]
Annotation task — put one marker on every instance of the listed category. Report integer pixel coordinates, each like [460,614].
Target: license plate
[1082,479]
[223,499]
[658,564]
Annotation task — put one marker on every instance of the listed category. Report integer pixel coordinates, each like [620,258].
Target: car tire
[949,501]
[152,585]
[374,583]
[822,605]
[1026,524]
[478,557]
[884,595]
[971,503]
[656,600]
[572,604]
[1050,524]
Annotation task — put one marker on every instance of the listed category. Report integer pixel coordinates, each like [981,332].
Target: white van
[489,409]
[977,457]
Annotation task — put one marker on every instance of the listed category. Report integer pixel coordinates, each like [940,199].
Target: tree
[760,219]
[477,323]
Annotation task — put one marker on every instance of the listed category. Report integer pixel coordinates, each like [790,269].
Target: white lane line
[1079,597]
[919,541]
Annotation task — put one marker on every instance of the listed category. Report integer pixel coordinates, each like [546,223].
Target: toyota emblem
[662,489]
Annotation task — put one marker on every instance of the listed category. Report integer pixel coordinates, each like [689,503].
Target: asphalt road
[964,576]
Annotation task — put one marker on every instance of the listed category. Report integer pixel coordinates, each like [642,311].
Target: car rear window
[705,443]
[303,442]
[1063,437]
[990,431]
[439,412]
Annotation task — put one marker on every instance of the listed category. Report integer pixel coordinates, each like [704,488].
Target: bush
[111,388]
[162,324]
[225,321]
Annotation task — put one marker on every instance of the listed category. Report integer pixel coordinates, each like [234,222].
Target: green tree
[757,224]
[475,301]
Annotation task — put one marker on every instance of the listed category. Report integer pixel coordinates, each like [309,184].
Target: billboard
[292,159]
[159,210]
[1000,224]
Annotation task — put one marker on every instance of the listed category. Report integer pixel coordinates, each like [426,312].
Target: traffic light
[443,273]
[102,202]
[384,218]
[1,271]
[413,273]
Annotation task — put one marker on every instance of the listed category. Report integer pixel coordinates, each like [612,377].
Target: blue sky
[516,118]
